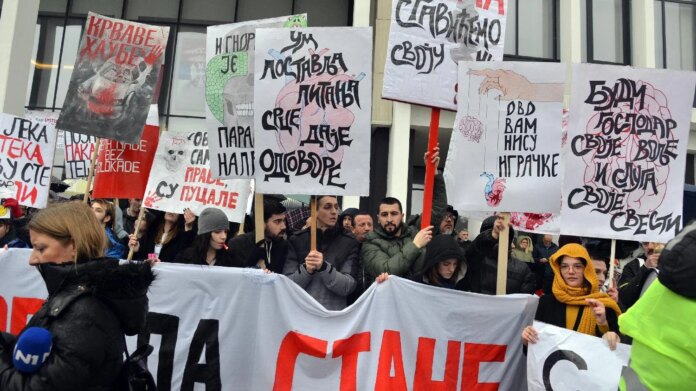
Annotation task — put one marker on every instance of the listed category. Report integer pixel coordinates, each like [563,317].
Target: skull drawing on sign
[175,155]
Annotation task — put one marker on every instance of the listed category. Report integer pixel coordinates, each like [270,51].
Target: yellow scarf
[576,296]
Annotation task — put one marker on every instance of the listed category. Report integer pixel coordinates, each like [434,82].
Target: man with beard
[327,273]
[449,221]
[269,253]
[393,247]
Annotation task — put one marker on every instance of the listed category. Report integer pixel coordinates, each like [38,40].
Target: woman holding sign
[576,302]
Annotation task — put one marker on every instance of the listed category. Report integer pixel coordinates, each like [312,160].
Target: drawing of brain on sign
[312,105]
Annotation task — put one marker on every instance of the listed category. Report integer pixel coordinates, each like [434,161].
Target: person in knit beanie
[444,264]
[209,247]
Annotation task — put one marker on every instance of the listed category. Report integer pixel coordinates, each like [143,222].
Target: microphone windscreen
[32,349]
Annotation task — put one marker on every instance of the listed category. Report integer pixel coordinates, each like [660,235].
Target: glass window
[606,23]
[532,29]
[214,12]
[260,9]
[163,10]
[677,47]
[46,62]
[55,6]
[70,46]
[110,8]
[32,68]
[325,13]
[536,28]
[188,80]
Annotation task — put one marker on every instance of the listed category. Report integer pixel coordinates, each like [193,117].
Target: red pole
[430,168]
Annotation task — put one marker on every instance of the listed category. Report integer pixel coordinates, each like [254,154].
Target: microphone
[32,349]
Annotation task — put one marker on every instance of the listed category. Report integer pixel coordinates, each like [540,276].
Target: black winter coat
[89,308]
[247,252]
[553,312]
[482,271]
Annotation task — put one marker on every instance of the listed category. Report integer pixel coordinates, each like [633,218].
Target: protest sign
[122,170]
[262,332]
[312,105]
[230,94]
[27,146]
[626,152]
[181,178]
[428,38]
[78,154]
[116,70]
[505,150]
[563,359]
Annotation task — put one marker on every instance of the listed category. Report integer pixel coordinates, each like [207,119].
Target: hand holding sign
[599,311]
[612,339]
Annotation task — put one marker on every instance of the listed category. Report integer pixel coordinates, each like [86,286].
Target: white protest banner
[312,105]
[229,92]
[428,38]
[78,154]
[116,71]
[626,152]
[505,150]
[262,332]
[563,359]
[180,178]
[27,146]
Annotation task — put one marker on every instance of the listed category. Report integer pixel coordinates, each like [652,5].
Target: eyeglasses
[577,267]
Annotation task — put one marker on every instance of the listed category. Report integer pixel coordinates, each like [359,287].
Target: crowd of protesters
[353,250]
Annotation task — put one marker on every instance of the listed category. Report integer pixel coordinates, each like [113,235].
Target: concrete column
[361,18]
[643,33]
[399,135]
[17,28]
[571,38]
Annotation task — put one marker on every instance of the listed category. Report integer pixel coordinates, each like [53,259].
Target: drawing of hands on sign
[512,86]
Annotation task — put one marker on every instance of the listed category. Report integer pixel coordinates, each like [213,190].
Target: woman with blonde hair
[576,302]
[92,302]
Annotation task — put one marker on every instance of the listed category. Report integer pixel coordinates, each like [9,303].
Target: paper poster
[505,150]
[563,359]
[312,105]
[122,169]
[27,146]
[181,178]
[230,94]
[78,154]
[116,71]
[626,152]
[428,38]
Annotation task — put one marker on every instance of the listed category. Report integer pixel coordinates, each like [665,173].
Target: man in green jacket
[393,247]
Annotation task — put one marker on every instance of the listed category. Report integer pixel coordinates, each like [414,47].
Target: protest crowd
[177,210]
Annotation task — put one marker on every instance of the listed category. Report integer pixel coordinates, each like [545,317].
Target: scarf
[576,296]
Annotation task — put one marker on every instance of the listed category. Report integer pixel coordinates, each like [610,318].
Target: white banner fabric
[626,152]
[243,329]
[563,359]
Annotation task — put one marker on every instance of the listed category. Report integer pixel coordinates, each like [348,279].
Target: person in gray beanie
[209,247]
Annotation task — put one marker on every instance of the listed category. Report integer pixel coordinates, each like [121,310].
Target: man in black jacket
[635,273]
[269,253]
[482,263]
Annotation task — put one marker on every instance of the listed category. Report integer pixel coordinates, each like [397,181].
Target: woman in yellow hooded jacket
[576,302]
